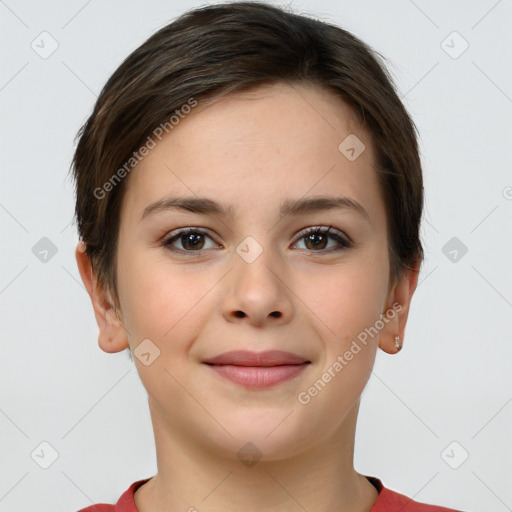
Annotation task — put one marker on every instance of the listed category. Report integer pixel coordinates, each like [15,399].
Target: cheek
[347,298]
[161,299]
[167,305]
[349,304]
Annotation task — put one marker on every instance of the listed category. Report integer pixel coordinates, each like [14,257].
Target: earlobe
[399,299]
[112,335]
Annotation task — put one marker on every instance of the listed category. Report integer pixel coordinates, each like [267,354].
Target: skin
[253,150]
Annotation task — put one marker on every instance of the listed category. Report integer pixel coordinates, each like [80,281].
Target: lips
[246,358]
[257,370]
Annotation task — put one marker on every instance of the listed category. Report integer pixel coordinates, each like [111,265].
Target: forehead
[253,149]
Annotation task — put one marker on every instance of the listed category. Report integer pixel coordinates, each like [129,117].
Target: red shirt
[388,501]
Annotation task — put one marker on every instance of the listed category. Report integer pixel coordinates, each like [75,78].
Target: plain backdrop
[435,420]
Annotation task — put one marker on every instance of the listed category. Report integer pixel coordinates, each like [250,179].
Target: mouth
[257,369]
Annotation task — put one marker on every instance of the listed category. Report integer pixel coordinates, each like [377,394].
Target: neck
[190,478]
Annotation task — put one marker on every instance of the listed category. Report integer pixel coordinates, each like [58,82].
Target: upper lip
[246,358]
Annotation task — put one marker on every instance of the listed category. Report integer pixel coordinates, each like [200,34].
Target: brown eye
[316,240]
[192,240]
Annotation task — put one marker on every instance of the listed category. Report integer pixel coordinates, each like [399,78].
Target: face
[200,284]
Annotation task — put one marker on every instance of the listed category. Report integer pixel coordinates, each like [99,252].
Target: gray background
[451,383]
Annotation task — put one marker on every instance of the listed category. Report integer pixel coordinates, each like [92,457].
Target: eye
[317,238]
[192,239]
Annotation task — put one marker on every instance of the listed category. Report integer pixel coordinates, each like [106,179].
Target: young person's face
[256,281]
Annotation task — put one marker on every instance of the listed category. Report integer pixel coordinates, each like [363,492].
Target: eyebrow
[289,207]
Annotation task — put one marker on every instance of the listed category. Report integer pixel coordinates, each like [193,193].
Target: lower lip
[258,376]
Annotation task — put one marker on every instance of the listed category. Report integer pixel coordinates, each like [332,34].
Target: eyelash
[344,243]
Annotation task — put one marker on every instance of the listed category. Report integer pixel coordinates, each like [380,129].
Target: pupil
[311,237]
[190,239]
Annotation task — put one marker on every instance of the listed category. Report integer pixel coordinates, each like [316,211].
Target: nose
[258,291]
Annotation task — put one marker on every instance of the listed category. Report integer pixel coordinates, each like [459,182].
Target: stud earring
[397,343]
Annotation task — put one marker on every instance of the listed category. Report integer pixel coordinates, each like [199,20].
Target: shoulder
[126,503]
[391,501]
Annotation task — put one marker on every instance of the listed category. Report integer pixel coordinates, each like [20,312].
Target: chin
[262,436]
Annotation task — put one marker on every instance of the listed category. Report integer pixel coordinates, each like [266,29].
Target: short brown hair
[215,50]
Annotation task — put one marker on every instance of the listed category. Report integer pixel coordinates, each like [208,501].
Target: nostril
[240,314]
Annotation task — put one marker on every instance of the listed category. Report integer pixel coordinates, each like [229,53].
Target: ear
[112,336]
[400,295]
